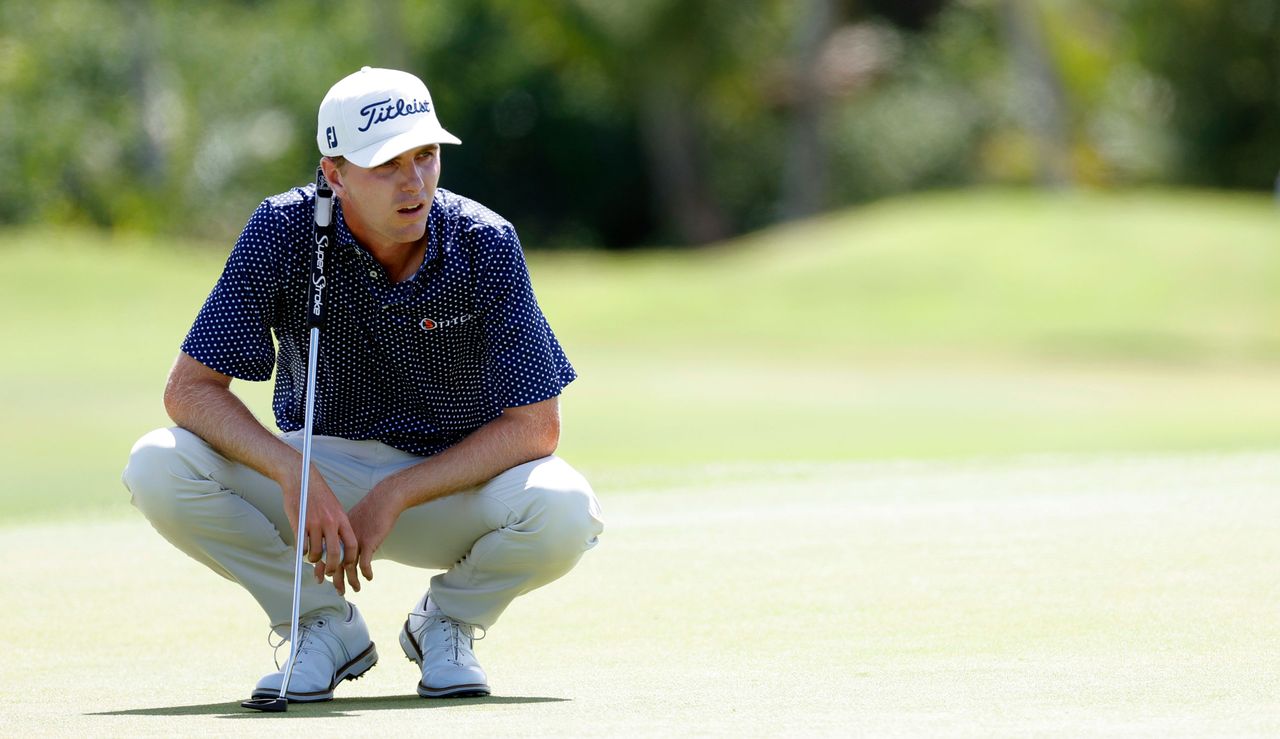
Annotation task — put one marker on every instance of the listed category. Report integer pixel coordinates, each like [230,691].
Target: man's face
[388,204]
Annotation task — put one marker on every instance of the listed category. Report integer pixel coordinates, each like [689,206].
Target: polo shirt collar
[435,231]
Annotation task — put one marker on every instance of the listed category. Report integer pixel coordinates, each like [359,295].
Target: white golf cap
[377,114]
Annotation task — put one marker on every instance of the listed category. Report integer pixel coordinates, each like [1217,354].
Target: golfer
[436,411]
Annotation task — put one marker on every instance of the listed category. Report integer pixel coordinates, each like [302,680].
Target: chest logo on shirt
[431,324]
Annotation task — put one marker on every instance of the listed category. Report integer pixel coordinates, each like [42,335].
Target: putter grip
[323,237]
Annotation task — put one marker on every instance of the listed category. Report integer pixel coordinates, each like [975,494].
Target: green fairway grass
[1159,276]
[944,326]
[1065,596]
[973,464]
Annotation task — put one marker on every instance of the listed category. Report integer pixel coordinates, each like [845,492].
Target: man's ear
[333,175]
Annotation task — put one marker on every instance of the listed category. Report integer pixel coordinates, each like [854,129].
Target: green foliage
[1220,60]
[595,123]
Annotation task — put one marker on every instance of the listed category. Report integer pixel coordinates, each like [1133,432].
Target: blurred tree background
[619,124]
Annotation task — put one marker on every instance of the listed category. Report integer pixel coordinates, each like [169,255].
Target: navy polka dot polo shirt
[417,365]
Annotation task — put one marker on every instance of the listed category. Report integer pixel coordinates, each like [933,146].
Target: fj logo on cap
[331,134]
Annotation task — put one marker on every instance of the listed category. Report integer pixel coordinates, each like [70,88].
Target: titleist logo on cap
[380,111]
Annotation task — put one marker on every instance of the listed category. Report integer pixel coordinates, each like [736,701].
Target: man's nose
[413,180]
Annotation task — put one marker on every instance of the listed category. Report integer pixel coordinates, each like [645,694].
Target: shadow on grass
[339,707]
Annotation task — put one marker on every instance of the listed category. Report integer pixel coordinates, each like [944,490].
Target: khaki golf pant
[519,531]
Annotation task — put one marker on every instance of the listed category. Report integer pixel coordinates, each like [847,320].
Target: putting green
[1131,595]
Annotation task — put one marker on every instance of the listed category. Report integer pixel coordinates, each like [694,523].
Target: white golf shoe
[441,646]
[330,650]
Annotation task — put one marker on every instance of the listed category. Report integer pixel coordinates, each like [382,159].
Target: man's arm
[200,400]
[519,435]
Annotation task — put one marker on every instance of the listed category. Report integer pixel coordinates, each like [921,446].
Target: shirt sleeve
[232,332]
[525,364]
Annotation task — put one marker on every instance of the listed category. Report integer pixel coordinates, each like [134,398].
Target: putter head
[269,705]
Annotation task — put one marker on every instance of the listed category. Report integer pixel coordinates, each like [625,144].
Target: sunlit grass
[1159,275]
[956,325]
[1123,596]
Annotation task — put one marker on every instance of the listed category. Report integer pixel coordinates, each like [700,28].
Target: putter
[315,321]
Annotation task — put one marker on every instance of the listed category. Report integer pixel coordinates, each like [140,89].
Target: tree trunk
[676,165]
[151,153]
[1041,101]
[393,51]
[804,174]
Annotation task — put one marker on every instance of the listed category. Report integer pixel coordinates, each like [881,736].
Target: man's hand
[329,533]
[521,434]
[200,400]
[372,520]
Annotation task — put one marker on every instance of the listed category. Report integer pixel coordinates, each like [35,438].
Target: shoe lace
[457,629]
[275,647]
[305,641]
